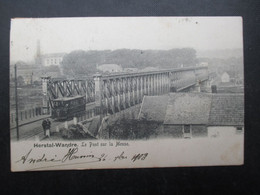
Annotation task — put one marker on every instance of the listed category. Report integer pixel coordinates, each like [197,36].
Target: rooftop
[108,65]
[154,108]
[195,108]
[53,55]
[188,108]
[227,109]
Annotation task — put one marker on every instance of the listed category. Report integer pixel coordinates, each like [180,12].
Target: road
[33,130]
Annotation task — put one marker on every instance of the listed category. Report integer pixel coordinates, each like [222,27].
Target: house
[149,68]
[130,69]
[226,116]
[52,59]
[110,68]
[225,78]
[29,73]
[189,115]
[154,108]
[204,64]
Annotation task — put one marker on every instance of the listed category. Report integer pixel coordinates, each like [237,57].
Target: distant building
[204,64]
[110,68]
[29,73]
[149,68]
[47,59]
[187,115]
[52,59]
[51,74]
[225,78]
[38,60]
[130,69]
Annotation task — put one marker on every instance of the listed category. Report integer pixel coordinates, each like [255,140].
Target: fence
[26,114]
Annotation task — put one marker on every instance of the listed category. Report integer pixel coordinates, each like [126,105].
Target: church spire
[38,48]
[38,54]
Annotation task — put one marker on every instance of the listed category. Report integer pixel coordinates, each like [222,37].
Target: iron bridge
[116,92]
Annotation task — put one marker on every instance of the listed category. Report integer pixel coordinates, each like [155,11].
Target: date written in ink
[139,156]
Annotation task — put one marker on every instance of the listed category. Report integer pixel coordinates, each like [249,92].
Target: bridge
[117,92]
[108,94]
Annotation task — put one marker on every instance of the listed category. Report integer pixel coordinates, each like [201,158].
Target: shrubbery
[133,129]
[74,132]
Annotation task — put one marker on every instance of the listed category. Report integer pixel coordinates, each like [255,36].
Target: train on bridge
[68,107]
[117,92]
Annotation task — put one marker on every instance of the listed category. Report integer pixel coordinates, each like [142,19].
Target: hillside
[78,62]
[220,53]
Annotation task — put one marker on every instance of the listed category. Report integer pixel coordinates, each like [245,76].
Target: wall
[173,130]
[199,131]
[177,130]
[48,61]
[222,131]
[129,113]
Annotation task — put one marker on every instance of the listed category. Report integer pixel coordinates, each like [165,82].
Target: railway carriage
[67,107]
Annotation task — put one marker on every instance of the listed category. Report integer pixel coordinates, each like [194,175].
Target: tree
[79,62]
[84,62]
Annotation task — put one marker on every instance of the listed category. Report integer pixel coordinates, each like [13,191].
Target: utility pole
[16,102]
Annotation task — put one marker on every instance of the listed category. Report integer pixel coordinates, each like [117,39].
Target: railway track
[33,129]
[36,132]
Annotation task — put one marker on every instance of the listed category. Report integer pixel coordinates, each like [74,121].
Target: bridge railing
[119,75]
[26,115]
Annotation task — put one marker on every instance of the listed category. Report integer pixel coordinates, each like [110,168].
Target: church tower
[38,60]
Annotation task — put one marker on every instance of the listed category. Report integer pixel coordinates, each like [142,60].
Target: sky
[111,33]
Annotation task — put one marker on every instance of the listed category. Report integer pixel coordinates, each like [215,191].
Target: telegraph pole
[16,102]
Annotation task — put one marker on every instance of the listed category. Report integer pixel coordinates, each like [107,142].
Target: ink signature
[72,155]
[69,156]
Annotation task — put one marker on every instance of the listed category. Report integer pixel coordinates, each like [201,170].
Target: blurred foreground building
[187,115]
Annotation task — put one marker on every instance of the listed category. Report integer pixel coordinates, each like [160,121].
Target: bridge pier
[98,89]
[133,90]
[145,85]
[152,87]
[148,84]
[118,95]
[113,96]
[45,100]
[137,90]
[141,88]
[160,84]
[156,84]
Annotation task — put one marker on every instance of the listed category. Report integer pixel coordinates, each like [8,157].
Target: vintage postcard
[126,92]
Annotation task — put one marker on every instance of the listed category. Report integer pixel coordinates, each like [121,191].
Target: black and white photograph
[126,92]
